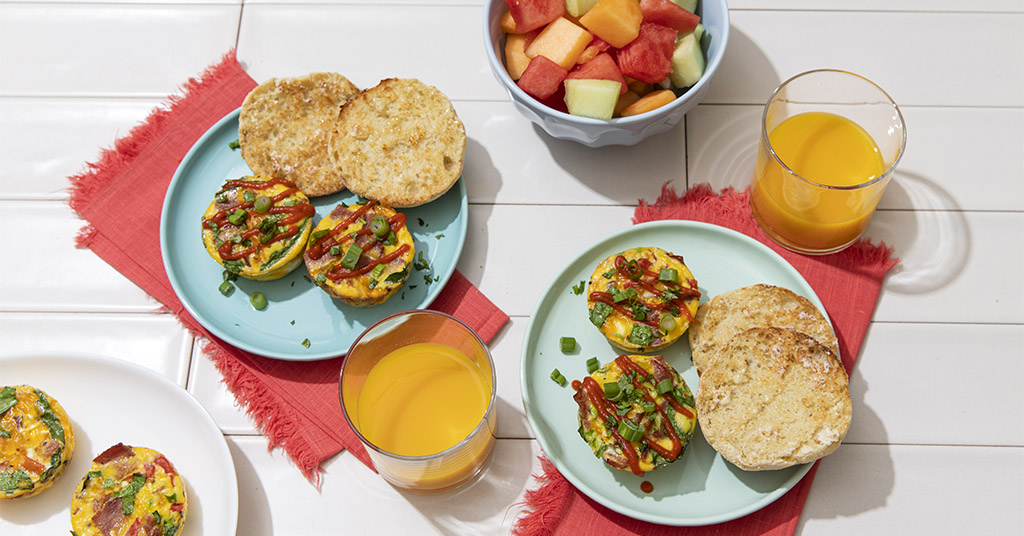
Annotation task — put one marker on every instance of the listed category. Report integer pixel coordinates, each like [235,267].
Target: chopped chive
[258,301]
[379,226]
[377,271]
[578,289]
[592,365]
[351,256]
[317,235]
[557,377]
[320,279]
[335,250]
[667,323]
[305,342]
[226,288]
[664,386]
[630,431]
[262,204]
[670,275]
[568,344]
[647,406]
[234,145]
[612,391]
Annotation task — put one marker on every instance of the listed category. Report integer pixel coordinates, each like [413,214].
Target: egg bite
[360,254]
[642,299]
[36,441]
[129,490]
[257,227]
[636,413]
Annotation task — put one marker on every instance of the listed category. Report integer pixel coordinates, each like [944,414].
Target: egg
[257,227]
[642,299]
[36,441]
[361,254]
[129,490]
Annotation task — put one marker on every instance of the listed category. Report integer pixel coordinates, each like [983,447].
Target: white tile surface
[937,442]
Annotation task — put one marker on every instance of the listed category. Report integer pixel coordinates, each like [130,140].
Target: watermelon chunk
[532,14]
[542,78]
[602,67]
[648,58]
[668,13]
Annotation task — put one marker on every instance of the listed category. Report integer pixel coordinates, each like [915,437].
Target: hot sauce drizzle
[335,238]
[596,395]
[295,214]
[627,365]
[647,281]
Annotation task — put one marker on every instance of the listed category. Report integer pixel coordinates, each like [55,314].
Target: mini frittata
[129,491]
[642,299]
[360,254]
[636,413]
[257,227]
[36,441]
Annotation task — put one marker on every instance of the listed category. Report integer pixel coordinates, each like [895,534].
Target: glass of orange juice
[830,141]
[418,389]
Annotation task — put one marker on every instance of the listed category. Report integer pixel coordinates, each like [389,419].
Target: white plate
[700,488]
[110,401]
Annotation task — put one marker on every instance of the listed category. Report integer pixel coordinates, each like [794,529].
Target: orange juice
[836,154]
[422,399]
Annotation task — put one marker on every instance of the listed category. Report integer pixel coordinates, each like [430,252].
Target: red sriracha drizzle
[296,213]
[335,238]
[605,410]
[637,275]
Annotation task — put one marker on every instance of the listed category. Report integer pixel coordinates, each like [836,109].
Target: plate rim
[174,186]
[149,375]
[528,404]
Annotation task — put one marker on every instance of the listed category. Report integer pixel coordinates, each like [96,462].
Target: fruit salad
[603,58]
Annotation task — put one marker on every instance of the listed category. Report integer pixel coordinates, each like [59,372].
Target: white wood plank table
[937,444]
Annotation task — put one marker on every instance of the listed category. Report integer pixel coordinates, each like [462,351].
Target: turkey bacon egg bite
[360,254]
[642,299]
[257,227]
[636,413]
[36,441]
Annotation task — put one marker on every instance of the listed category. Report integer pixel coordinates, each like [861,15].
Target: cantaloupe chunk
[648,102]
[516,59]
[615,21]
[591,98]
[561,41]
[625,100]
[508,24]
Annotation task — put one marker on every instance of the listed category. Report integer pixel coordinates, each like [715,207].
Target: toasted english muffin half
[361,254]
[285,125]
[36,441]
[642,299]
[636,413]
[760,305]
[257,227]
[400,142]
[127,491]
[772,398]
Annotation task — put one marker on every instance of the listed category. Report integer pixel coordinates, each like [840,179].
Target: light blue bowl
[619,131]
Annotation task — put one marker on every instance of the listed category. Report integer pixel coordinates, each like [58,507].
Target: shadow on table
[467,509]
[255,508]
[928,230]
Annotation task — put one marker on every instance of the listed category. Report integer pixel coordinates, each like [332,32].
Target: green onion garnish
[226,288]
[670,275]
[648,407]
[335,250]
[305,342]
[667,323]
[351,256]
[568,344]
[592,365]
[377,270]
[557,377]
[238,217]
[612,391]
[379,226]
[262,204]
[234,144]
[630,431]
[317,235]
[258,301]
[664,386]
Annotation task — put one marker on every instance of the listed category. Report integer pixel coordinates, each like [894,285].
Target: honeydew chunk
[588,97]
[577,8]
[689,5]
[687,62]
[516,59]
[615,21]
[561,41]
[698,32]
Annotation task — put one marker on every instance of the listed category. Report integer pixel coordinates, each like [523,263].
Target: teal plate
[297,310]
[701,488]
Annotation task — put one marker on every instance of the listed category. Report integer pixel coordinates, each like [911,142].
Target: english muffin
[642,299]
[755,306]
[129,491]
[36,441]
[636,413]
[360,254]
[772,398]
[400,142]
[285,125]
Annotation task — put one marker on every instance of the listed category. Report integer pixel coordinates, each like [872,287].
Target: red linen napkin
[295,404]
[847,283]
